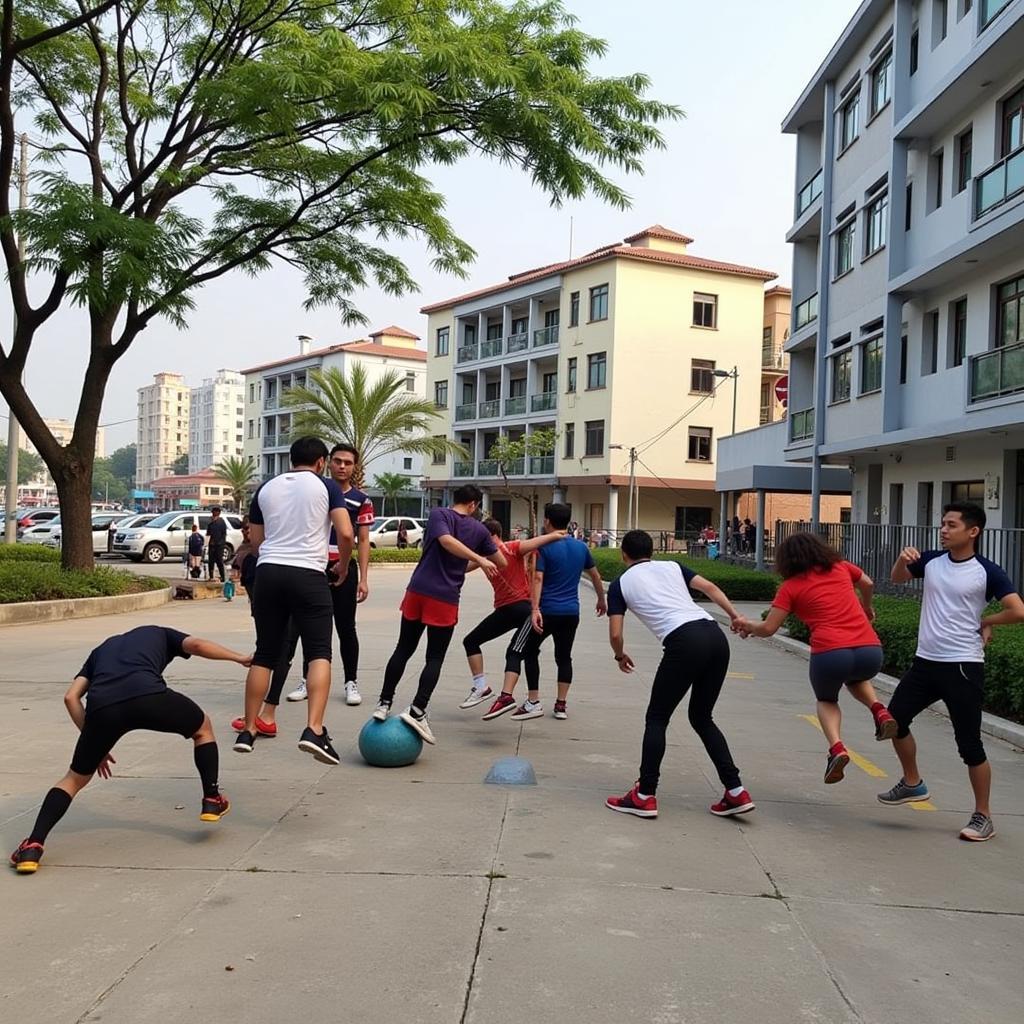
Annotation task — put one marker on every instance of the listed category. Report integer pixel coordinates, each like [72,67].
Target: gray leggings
[831,670]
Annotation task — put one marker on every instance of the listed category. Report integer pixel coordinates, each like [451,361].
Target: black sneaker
[835,765]
[244,742]
[25,859]
[319,746]
[214,807]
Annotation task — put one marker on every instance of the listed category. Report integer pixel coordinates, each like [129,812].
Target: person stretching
[845,650]
[123,679]
[695,655]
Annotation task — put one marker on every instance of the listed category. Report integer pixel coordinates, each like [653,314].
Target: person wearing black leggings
[695,660]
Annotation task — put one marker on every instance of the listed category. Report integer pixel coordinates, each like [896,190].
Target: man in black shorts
[123,679]
[217,537]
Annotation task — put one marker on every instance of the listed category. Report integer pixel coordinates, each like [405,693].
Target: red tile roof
[395,332]
[778,289]
[359,345]
[659,231]
[371,348]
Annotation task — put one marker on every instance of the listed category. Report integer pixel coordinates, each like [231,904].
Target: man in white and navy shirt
[290,521]
[950,660]
[696,654]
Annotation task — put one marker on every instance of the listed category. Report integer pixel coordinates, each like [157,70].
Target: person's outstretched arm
[526,546]
[489,563]
[595,577]
[215,652]
[714,593]
[768,627]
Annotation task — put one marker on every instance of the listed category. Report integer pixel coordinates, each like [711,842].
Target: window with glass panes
[702,376]
[599,302]
[699,444]
[438,456]
[959,332]
[597,367]
[705,310]
[549,383]
[881,83]
[570,440]
[845,238]
[876,218]
[493,330]
[594,437]
[1010,324]
[964,145]
[571,375]
[1013,122]
[574,309]
[842,364]
[441,394]
[871,366]
[849,122]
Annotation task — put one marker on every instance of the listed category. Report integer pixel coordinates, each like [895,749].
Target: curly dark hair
[802,552]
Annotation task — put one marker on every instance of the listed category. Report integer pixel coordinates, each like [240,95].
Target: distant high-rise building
[163,421]
[62,430]
[216,417]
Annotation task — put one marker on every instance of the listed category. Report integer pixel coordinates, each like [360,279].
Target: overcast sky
[725,179]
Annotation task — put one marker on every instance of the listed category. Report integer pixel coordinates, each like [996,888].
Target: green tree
[187,139]
[106,484]
[240,475]
[512,456]
[393,486]
[30,466]
[378,418]
[123,463]
[179,467]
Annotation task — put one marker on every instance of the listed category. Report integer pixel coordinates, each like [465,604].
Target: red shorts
[429,610]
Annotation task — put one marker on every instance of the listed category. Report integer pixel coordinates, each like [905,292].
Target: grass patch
[383,556]
[28,553]
[28,580]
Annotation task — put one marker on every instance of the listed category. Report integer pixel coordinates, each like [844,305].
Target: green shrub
[39,581]
[393,555]
[28,553]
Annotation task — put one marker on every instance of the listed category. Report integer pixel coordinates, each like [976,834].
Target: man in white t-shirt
[950,660]
[696,654]
[290,520]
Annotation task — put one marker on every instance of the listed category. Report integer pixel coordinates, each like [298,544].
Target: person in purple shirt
[453,538]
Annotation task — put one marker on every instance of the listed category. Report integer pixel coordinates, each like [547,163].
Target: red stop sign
[782,389]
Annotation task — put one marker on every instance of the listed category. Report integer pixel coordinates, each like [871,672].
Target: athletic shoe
[244,742]
[835,765]
[299,693]
[901,793]
[352,694]
[528,709]
[319,746]
[505,703]
[418,723]
[978,830]
[730,805]
[560,711]
[262,728]
[633,803]
[382,710]
[475,697]
[25,859]
[886,726]
[214,807]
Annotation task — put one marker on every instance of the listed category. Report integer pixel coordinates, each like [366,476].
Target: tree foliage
[511,453]
[240,475]
[30,466]
[393,486]
[179,467]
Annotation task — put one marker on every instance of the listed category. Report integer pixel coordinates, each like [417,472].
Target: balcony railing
[801,425]
[772,357]
[807,311]
[542,465]
[271,402]
[766,415]
[490,409]
[270,440]
[465,412]
[545,336]
[997,373]
[517,342]
[466,353]
[487,467]
[462,469]
[544,401]
[515,406]
[808,193]
[1002,181]
[490,348]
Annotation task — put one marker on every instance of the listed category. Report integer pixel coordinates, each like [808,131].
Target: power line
[644,445]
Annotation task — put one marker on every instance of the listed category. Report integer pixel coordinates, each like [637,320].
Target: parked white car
[101,524]
[384,531]
[167,535]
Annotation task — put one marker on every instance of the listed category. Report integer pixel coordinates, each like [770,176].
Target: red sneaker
[263,728]
[214,807]
[505,703]
[633,803]
[886,726]
[25,859]
[730,805]
[835,764]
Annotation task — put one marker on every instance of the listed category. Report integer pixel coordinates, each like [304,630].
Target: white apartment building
[163,423]
[907,338]
[216,420]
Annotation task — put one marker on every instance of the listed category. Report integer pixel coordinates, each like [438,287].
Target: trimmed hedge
[394,555]
[896,622]
[28,553]
[25,580]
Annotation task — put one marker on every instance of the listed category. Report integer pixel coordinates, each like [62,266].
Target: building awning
[189,503]
[143,494]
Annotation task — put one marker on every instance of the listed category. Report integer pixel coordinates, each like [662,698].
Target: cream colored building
[163,423]
[216,420]
[630,347]
[62,431]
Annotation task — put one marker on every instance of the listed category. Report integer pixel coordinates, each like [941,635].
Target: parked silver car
[167,535]
[102,522]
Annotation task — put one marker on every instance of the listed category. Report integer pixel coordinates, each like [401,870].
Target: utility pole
[13,430]
[634,498]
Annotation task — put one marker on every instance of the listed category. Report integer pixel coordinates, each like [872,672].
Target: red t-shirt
[510,584]
[827,603]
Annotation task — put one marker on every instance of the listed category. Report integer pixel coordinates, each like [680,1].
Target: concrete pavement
[419,894]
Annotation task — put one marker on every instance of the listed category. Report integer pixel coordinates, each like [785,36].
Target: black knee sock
[55,805]
[207,762]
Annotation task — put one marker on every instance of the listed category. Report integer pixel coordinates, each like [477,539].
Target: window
[469,335]
[570,440]
[958,347]
[520,325]
[574,309]
[964,144]
[910,203]
[937,162]
[493,330]
[699,444]
[876,220]
[871,366]
[1013,122]
[252,392]
[903,359]
[705,310]
[594,430]
[251,429]
[1010,317]
[407,463]
[441,394]
[913,50]
[551,318]
[597,368]
[967,490]
[881,83]
[517,387]
[842,365]
[845,238]
[930,344]
[766,336]
[492,390]
[438,456]
[571,375]
[599,302]
[702,375]
[549,383]
[410,382]
[940,19]
[964,8]
[849,122]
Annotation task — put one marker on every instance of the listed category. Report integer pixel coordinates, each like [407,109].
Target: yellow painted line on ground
[741,675]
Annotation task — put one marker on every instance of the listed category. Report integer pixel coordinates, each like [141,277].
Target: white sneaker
[381,711]
[299,693]
[418,724]
[475,697]
[352,694]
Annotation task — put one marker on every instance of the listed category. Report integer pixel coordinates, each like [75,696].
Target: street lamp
[735,374]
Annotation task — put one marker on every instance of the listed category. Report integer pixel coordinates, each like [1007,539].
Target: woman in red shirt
[833,598]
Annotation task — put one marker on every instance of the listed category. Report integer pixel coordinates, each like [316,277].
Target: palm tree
[391,485]
[239,474]
[377,419]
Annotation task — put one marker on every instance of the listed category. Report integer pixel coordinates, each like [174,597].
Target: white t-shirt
[955,595]
[657,593]
[294,511]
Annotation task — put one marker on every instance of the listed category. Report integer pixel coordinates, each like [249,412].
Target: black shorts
[283,592]
[168,711]
[830,671]
[501,621]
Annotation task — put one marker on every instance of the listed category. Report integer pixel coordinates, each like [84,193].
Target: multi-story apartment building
[216,420]
[163,421]
[778,303]
[268,421]
[907,342]
[626,348]
[62,431]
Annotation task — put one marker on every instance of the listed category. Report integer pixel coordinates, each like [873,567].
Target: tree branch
[86,16]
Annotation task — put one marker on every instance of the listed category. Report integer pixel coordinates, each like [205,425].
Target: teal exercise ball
[389,744]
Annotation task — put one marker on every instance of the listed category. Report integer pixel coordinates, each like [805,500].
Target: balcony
[515,406]
[772,357]
[543,402]
[545,336]
[462,469]
[1000,183]
[271,402]
[517,343]
[490,348]
[270,440]
[808,193]
[487,467]
[466,353]
[489,410]
[807,311]
[801,425]
[542,465]
[997,373]
[465,412]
